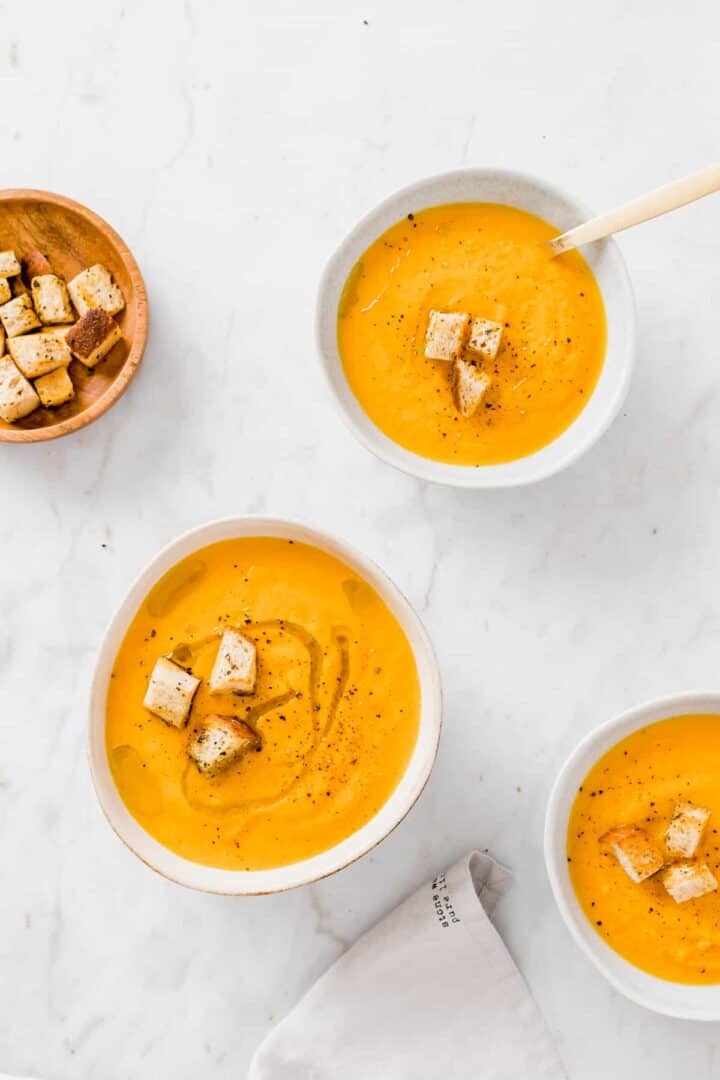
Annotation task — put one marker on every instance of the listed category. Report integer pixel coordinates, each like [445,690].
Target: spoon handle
[652,205]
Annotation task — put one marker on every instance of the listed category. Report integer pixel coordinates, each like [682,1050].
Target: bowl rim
[599,740]
[198,876]
[497,476]
[127,372]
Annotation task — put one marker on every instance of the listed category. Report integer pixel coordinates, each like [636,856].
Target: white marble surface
[231,144]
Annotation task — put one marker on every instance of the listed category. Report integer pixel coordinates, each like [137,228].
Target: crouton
[93,336]
[18,316]
[485,337]
[2,341]
[635,850]
[469,384]
[51,300]
[95,288]
[9,265]
[219,742]
[55,388]
[37,354]
[170,692]
[34,264]
[446,335]
[5,291]
[685,829]
[58,332]
[688,881]
[235,666]
[17,396]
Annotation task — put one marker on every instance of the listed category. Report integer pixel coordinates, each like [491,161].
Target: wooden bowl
[73,237]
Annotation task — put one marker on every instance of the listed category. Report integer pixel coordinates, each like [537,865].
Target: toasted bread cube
[5,290]
[170,692]
[93,336]
[37,354]
[17,396]
[220,742]
[469,384]
[9,265]
[685,830]
[55,388]
[50,296]
[446,335]
[235,666]
[18,316]
[635,850]
[34,264]
[95,288]
[485,338]
[2,341]
[688,881]
[58,332]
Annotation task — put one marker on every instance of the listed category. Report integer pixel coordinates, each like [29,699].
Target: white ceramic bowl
[211,879]
[527,193]
[672,999]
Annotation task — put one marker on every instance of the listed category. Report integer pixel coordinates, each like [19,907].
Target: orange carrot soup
[662,784]
[477,405]
[312,744]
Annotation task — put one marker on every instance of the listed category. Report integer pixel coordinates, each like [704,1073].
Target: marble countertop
[232,144]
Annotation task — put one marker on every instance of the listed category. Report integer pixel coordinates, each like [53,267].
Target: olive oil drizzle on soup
[488,260]
[336,704]
[638,781]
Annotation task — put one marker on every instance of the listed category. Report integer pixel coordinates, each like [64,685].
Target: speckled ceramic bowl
[673,999]
[212,879]
[527,193]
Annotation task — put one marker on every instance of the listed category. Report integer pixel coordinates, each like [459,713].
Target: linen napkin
[429,992]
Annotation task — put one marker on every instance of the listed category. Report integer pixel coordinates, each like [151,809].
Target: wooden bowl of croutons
[73,316]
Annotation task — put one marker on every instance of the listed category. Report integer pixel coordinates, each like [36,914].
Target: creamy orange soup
[638,782]
[336,705]
[488,260]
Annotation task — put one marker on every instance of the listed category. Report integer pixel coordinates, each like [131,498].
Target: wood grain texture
[73,237]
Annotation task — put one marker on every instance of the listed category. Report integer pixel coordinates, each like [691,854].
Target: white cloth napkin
[429,992]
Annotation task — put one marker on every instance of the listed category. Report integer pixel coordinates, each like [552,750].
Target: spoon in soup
[661,201]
